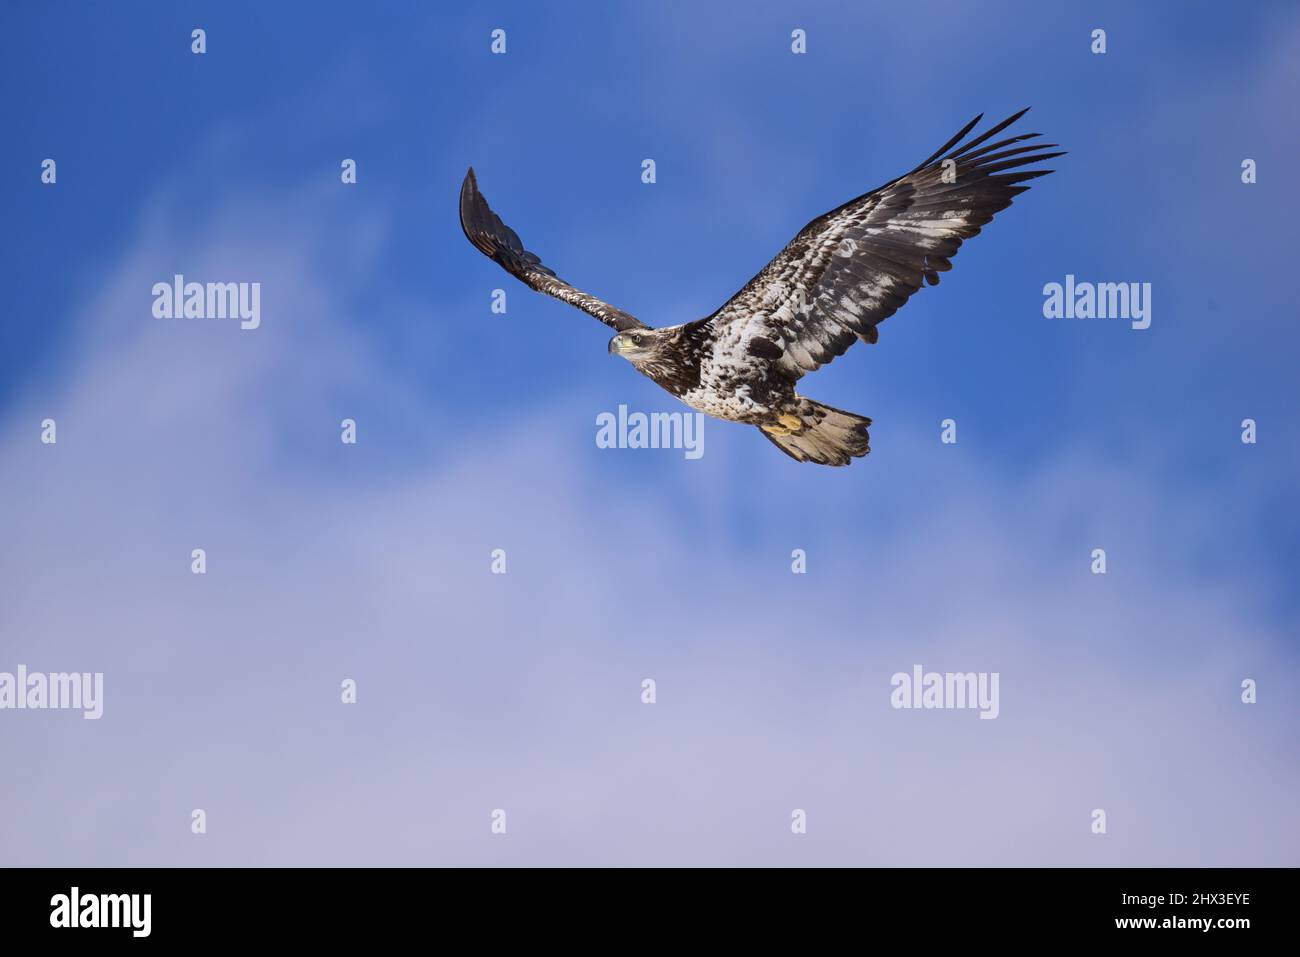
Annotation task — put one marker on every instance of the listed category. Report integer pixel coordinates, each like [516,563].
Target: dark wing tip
[957,138]
[484,228]
[468,188]
[476,217]
[490,235]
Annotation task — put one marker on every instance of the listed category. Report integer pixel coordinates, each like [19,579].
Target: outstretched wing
[497,240]
[855,266]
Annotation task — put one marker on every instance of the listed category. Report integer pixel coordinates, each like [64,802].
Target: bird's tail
[812,432]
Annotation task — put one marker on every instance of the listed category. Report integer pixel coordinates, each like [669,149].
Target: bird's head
[658,353]
[635,345]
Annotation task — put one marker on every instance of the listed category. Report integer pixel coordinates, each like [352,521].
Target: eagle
[832,285]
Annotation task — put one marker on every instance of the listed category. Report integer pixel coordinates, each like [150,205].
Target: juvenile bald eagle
[839,278]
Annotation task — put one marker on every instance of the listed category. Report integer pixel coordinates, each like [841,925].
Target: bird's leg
[787,423]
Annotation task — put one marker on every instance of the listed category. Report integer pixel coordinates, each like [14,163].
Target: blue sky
[477,431]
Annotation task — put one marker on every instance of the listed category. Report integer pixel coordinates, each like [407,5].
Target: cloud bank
[522,691]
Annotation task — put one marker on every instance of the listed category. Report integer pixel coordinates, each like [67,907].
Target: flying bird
[833,284]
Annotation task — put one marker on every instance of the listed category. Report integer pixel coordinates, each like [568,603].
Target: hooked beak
[616,345]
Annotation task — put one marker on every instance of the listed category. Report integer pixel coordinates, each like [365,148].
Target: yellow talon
[786,424]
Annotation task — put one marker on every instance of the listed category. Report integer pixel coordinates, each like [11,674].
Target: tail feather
[824,435]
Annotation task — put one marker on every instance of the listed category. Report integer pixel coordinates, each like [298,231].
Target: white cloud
[522,691]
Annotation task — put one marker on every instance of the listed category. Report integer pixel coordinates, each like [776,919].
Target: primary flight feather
[833,284]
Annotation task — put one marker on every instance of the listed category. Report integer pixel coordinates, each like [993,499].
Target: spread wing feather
[498,241]
[852,268]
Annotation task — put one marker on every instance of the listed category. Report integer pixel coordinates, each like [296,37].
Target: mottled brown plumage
[832,285]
